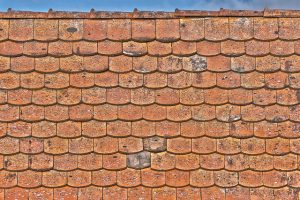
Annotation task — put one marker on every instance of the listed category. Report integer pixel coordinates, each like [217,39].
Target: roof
[181,105]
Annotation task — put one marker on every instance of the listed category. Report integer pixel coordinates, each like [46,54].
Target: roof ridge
[136,14]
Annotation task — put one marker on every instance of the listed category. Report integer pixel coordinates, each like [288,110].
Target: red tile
[114,192]
[265,29]
[167,30]
[21,29]
[70,29]
[45,29]
[241,28]
[119,29]
[79,178]
[143,30]
[94,29]
[216,28]
[129,178]
[201,178]
[104,177]
[164,193]
[191,29]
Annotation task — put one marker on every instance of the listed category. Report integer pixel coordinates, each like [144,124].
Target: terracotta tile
[134,48]
[17,162]
[114,192]
[93,128]
[81,145]
[144,64]
[180,80]
[130,145]
[9,48]
[44,97]
[154,112]
[179,113]
[16,193]
[90,192]
[228,80]
[253,146]
[4,64]
[20,29]
[142,96]
[114,161]
[281,48]
[106,112]
[229,145]
[170,64]
[22,64]
[46,64]
[120,63]
[261,193]
[213,193]
[57,81]
[106,79]
[276,80]
[241,28]
[45,29]
[208,48]
[54,178]
[293,178]
[243,63]
[69,129]
[139,160]
[267,64]
[90,161]
[216,28]
[257,48]
[179,145]
[4,25]
[241,129]
[79,178]
[8,179]
[155,144]
[156,48]
[155,80]
[164,193]
[204,79]
[277,146]
[119,29]
[177,178]
[85,48]
[167,96]
[212,161]
[31,145]
[225,178]
[216,129]
[250,178]
[118,128]
[216,96]
[201,178]
[32,80]
[167,129]
[18,129]
[65,193]
[82,80]
[266,129]
[9,80]
[41,193]
[286,162]
[96,63]
[288,129]
[60,48]
[108,47]
[237,162]
[191,29]
[262,162]
[228,113]
[232,48]
[287,193]
[131,80]
[287,97]
[72,63]
[56,145]
[94,95]
[143,30]
[288,28]
[35,48]
[143,128]
[252,113]
[162,161]
[71,29]
[128,178]
[264,97]
[9,113]
[277,113]
[29,179]
[192,129]
[290,63]
[204,145]
[188,192]
[104,177]
[81,112]
[183,48]
[167,30]
[43,129]
[265,29]
[238,193]
[94,29]
[139,192]
[187,162]
[274,178]
[294,80]
[41,162]
[218,63]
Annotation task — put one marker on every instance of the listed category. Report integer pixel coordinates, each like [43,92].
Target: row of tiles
[175,113]
[179,145]
[132,178]
[163,161]
[145,193]
[156,80]
[147,129]
[215,29]
[149,64]
[154,48]
[122,97]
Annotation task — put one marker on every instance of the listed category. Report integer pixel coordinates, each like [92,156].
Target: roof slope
[180,106]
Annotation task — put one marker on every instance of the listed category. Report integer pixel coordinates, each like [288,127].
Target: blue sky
[151,5]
